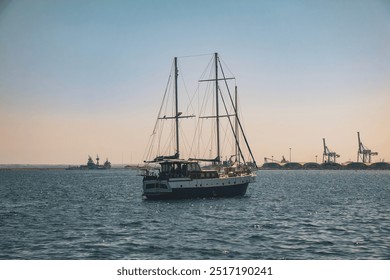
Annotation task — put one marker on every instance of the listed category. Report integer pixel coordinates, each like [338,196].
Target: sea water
[100,214]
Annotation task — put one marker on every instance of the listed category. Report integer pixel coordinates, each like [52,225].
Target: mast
[176,110]
[236,125]
[217,107]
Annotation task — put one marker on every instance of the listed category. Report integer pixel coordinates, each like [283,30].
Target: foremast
[177,115]
[177,111]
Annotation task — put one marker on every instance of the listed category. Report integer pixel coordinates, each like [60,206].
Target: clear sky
[79,78]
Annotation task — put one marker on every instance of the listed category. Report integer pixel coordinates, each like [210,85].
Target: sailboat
[178,178]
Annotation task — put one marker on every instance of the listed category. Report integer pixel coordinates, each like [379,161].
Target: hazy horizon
[81,78]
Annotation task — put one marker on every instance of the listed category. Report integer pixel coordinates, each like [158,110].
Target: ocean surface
[59,214]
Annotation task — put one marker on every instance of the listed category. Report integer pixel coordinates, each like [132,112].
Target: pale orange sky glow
[75,83]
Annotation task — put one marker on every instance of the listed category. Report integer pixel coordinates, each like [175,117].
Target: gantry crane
[364,153]
[328,156]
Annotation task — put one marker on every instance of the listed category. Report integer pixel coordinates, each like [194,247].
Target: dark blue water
[285,215]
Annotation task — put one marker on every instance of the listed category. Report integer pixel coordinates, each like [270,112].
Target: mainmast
[236,125]
[218,159]
[176,110]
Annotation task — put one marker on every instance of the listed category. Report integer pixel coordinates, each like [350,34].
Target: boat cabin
[184,169]
[177,168]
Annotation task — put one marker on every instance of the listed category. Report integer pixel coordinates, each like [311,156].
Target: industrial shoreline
[325,166]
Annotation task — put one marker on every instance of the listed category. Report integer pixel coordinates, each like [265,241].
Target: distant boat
[107,164]
[178,178]
[91,165]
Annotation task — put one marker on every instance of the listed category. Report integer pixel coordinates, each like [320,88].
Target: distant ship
[91,165]
[178,178]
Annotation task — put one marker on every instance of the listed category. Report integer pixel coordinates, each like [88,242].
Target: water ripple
[285,215]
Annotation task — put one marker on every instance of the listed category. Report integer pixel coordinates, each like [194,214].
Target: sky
[81,78]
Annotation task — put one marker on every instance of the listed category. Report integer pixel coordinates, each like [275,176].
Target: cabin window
[165,168]
[150,186]
[193,167]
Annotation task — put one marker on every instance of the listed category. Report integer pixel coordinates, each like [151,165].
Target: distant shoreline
[32,168]
[44,167]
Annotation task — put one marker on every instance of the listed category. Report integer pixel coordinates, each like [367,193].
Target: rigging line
[196,127]
[206,101]
[238,119]
[199,140]
[202,121]
[229,142]
[226,142]
[187,92]
[195,140]
[185,141]
[203,144]
[206,68]
[154,147]
[152,137]
[224,63]
[162,103]
[164,147]
[148,148]
[197,90]
[240,115]
[233,131]
[160,146]
[231,125]
[195,55]
[209,90]
[197,124]
[203,105]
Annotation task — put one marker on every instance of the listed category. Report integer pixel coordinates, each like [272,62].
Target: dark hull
[199,192]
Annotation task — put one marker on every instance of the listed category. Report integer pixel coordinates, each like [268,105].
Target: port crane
[364,153]
[328,156]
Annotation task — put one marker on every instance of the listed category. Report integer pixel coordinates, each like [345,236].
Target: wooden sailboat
[178,178]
